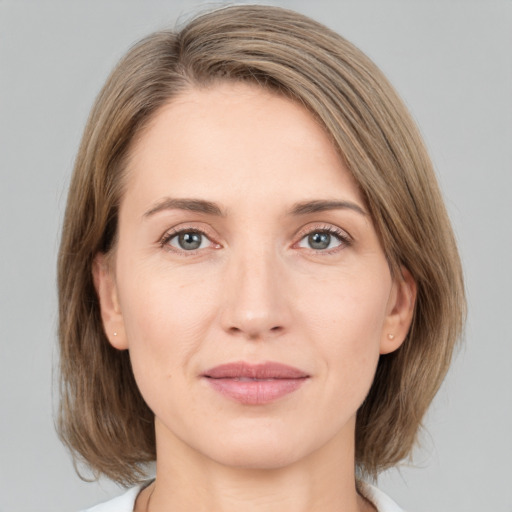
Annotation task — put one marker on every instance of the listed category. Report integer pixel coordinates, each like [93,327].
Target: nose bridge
[254,302]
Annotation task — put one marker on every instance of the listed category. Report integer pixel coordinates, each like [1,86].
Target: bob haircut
[103,418]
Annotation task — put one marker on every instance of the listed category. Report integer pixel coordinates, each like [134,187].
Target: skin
[256,291]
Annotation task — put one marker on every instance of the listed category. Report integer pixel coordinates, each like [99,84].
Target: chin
[257,457]
[263,448]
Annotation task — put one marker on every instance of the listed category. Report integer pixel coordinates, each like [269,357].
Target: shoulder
[381,501]
[123,503]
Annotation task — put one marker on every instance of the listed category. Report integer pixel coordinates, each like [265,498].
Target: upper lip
[267,370]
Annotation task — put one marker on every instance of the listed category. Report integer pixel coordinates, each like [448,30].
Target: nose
[255,304]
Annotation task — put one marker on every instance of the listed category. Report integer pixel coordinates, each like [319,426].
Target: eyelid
[344,237]
[186,228]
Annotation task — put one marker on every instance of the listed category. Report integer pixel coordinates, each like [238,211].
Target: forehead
[231,139]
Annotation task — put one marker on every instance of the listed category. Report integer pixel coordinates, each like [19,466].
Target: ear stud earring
[115,333]
[391,336]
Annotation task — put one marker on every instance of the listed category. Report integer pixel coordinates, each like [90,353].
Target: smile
[255,384]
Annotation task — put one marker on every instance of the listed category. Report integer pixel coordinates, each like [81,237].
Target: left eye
[188,240]
[321,240]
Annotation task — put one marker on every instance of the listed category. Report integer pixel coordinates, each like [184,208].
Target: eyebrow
[316,206]
[192,205]
[210,208]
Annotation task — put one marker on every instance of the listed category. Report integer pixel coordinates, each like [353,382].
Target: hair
[103,418]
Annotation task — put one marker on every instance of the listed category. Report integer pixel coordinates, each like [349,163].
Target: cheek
[166,317]
[158,300]
[345,317]
[352,306]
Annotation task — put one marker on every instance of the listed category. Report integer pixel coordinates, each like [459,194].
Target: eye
[186,240]
[324,239]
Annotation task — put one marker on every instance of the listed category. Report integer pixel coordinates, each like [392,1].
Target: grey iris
[189,241]
[319,240]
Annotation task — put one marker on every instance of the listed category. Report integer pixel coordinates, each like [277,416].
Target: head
[104,418]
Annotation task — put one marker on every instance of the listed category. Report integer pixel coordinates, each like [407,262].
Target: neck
[321,481]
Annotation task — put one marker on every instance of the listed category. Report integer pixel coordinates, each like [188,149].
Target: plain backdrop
[452,63]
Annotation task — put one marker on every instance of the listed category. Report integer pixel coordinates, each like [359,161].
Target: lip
[255,384]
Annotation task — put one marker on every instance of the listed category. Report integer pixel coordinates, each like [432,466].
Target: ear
[111,314]
[400,312]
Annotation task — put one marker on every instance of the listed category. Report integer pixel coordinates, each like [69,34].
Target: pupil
[319,240]
[189,241]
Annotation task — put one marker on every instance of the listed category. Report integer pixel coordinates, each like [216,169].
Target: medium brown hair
[103,418]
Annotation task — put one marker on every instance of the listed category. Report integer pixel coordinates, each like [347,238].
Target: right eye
[187,240]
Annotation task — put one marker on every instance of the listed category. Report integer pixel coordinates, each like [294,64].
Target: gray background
[452,63]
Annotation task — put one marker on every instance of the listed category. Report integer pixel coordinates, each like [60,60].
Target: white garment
[126,501]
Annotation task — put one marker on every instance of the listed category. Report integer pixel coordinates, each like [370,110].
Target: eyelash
[169,235]
[344,239]
[342,236]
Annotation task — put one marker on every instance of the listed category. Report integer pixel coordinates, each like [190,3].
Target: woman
[259,287]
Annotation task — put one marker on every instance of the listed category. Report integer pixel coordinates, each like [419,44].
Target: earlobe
[401,312]
[111,314]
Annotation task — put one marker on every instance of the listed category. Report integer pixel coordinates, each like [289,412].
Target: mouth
[256,384]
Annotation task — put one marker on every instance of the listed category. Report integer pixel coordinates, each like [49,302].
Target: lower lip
[255,392]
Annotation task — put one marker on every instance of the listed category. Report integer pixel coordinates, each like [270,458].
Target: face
[248,282]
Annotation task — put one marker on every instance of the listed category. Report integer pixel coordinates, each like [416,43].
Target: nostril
[255,333]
